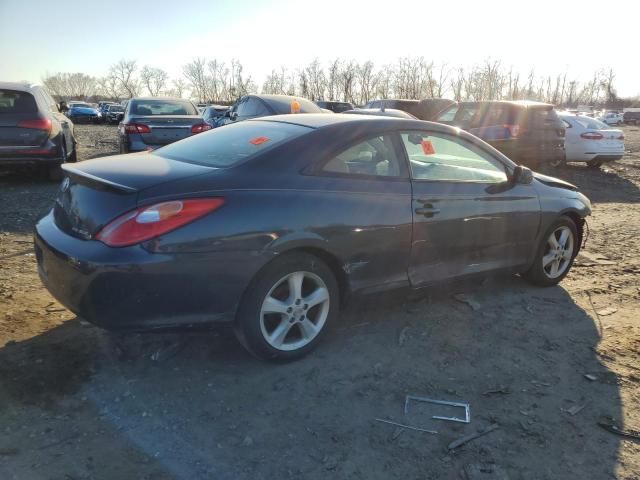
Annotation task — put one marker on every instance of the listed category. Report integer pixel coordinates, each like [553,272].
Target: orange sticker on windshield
[427,147]
[295,106]
[259,140]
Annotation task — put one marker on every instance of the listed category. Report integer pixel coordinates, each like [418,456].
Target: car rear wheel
[287,308]
[594,164]
[555,255]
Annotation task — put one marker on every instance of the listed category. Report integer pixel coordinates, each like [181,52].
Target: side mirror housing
[522,175]
[233,116]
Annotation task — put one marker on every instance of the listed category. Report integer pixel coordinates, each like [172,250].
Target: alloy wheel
[294,311]
[558,252]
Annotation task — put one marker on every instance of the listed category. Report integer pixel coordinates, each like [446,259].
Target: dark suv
[34,135]
[631,118]
[426,109]
[335,107]
[527,132]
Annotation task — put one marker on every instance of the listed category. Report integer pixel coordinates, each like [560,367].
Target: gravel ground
[545,365]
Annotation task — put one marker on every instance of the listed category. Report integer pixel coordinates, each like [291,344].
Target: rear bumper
[27,161]
[132,289]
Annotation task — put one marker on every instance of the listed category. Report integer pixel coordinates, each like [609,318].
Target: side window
[448,115]
[243,107]
[374,157]
[439,157]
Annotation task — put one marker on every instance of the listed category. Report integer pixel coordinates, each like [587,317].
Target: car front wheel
[555,255]
[287,307]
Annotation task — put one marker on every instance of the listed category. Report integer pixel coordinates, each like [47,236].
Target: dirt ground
[545,365]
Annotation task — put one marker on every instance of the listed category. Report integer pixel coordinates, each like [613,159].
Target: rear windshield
[226,146]
[592,123]
[115,108]
[162,107]
[14,101]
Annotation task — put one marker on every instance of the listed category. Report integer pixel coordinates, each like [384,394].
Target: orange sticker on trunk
[259,140]
[427,147]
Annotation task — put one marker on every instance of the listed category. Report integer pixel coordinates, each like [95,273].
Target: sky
[551,36]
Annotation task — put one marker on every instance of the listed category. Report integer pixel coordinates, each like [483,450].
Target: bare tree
[154,79]
[179,86]
[71,85]
[194,72]
[109,86]
[333,75]
[316,80]
[366,81]
[124,71]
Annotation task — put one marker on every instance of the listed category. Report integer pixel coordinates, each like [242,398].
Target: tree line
[215,80]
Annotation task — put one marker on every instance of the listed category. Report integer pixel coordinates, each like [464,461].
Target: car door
[364,189]
[467,217]
[572,139]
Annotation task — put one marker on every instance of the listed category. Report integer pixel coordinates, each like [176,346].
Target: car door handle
[427,211]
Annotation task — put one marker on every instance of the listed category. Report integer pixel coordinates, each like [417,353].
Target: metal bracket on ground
[467,411]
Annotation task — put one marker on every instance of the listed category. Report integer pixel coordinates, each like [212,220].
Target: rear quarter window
[227,146]
[17,102]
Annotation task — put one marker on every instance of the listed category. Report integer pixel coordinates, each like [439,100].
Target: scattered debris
[404,334]
[575,409]
[417,429]
[609,425]
[167,352]
[594,258]
[591,377]
[497,390]
[467,412]
[607,311]
[467,438]
[469,300]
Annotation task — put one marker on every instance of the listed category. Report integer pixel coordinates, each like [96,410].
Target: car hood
[554,182]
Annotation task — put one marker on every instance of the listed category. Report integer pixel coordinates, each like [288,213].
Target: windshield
[226,146]
[162,107]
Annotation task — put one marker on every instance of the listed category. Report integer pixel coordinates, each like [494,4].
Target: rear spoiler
[85,177]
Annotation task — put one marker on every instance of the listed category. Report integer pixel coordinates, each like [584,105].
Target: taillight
[36,123]
[620,137]
[591,135]
[145,223]
[514,130]
[136,128]
[200,127]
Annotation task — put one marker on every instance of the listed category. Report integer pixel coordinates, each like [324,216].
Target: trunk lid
[95,192]
[165,129]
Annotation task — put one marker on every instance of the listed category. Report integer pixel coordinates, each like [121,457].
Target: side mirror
[522,175]
[233,116]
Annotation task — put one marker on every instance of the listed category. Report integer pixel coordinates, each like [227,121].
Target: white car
[612,118]
[592,141]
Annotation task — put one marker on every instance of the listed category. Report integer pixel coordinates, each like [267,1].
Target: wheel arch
[579,221]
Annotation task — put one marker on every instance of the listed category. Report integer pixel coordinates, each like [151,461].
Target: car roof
[322,120]
[387,112]
[20,86]
[518,103]
[160,98]
[282,103]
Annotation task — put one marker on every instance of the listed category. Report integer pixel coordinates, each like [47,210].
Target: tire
[301,325]
[541,272]
[594,164]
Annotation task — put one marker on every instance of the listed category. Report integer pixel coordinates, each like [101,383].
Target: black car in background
[34,134]
[212,114]
[527,132]
[426,109]
[151,122]
[103,107]
[270,224]
[387,112]
[254,106]
[631,118]
[335,107]
[114,113]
